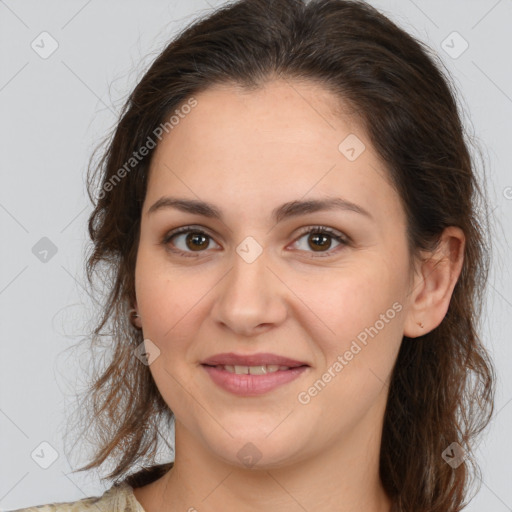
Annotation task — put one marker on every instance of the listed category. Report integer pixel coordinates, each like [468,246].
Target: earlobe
[434,284]
[135,319]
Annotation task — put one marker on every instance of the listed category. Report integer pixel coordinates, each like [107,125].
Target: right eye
[187,240]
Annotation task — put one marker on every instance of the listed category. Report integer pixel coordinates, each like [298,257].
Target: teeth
[253,370]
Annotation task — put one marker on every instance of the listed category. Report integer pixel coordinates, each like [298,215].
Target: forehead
[280,112]
[277,142]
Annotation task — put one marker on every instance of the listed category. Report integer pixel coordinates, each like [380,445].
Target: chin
[258,451]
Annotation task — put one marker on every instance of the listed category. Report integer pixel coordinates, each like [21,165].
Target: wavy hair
[442,386]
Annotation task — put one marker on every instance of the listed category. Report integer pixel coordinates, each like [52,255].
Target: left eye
[319,239]
[193,238]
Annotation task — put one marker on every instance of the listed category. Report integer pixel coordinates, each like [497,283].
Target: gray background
[55,110]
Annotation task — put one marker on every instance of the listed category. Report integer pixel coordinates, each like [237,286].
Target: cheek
[359,357]
[360,330]
[165,293]
[169,304]
[347,301]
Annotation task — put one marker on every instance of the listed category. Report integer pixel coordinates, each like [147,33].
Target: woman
[288,218]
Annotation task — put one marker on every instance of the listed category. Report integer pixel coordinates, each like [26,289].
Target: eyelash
[319,230]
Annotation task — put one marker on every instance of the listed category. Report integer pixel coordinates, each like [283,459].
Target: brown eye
[319,241]
[186,241]
[196,241]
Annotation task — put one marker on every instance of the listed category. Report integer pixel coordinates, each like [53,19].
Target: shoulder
[119,498]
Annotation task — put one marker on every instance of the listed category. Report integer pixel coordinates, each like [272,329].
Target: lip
[264,358]
[252,385]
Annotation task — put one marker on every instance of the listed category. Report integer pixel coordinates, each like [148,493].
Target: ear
[135,320]
[434,282]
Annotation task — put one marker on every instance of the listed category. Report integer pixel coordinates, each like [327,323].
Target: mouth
[265,360]
[262,369]
[252,375]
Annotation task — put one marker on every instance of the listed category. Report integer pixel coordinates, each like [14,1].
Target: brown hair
[442,386]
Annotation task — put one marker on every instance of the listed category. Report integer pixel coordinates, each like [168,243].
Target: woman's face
[255,283]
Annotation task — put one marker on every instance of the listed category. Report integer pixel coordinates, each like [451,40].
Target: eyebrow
[286,210]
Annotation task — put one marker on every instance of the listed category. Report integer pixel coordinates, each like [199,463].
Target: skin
[247,153]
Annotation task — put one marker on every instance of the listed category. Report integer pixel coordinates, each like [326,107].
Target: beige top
[119,498]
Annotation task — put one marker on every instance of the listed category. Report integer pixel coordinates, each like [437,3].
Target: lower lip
[252,385]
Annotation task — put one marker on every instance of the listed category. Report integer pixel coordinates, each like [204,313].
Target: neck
[344,478]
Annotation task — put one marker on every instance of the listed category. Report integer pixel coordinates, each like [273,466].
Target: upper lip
[233,359]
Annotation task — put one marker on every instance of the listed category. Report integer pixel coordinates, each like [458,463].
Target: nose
[251,298]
